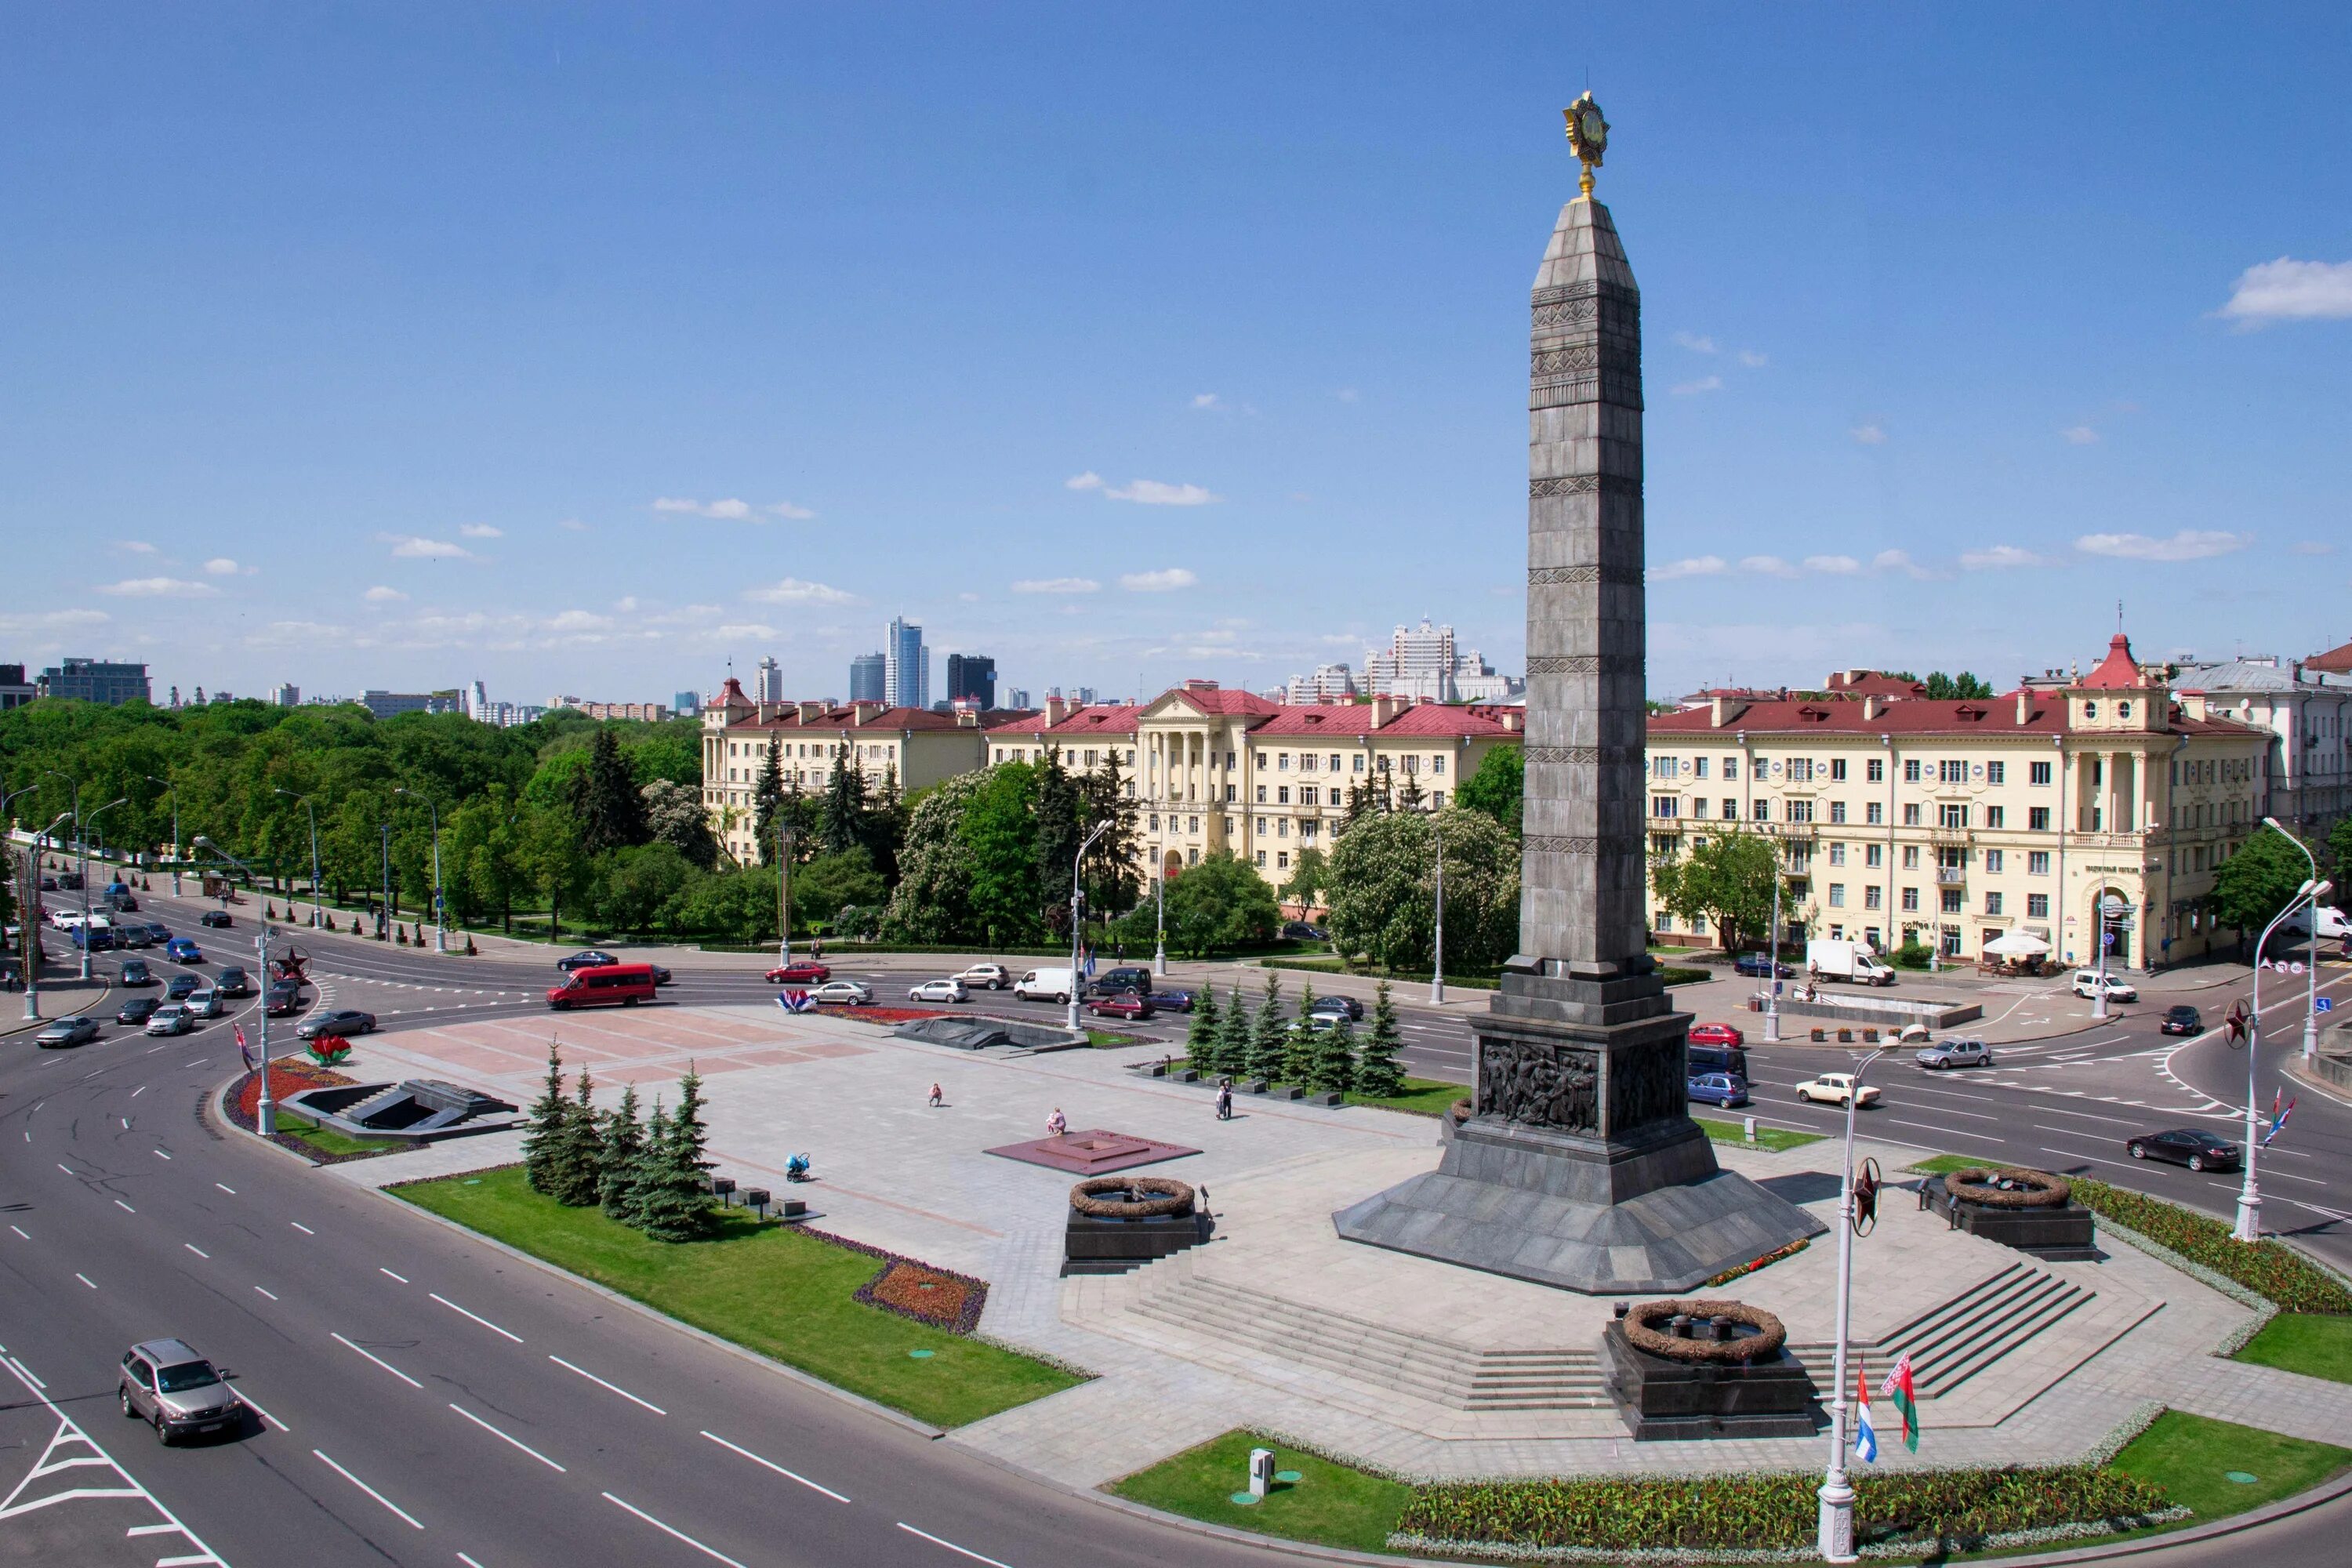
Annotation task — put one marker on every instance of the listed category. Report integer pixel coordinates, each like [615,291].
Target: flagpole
[1837,1492]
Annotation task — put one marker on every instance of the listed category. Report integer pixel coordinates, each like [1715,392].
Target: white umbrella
[2017,944]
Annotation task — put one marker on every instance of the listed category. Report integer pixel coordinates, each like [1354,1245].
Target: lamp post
[76,814]
[383,910]
[33,950]
[1437,949]
[1837,1491]
[314,852]
[1160,937]
[2311,1005]
[2099,920]
[440,910]
[1077,901]
[1772,957]
[174,791]
[783,891]
[28,887]
[81,858]
[264,1108]
[2249,1227]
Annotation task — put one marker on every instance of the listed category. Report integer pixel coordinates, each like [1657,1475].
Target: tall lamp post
[28,887]
[75,784]
[2249,1227]
[313,815]
[33,951]
[1437,949]
[2099,988]
[440,909]
[174,791]
[265,1109]
[383,910]
[2311,1003]
[1160,937]
[1078,903]
[1772,958]
[1837,1491]
[783,891]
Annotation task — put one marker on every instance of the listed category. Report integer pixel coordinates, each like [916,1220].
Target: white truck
[2333,924]
[1848,960]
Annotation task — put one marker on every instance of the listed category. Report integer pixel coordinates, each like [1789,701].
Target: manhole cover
[1244,1499]
[1289,1475]
[921,1355]
[2244,1477]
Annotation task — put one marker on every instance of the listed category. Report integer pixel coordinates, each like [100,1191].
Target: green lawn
[766,1287]
[2191,1457]
[1330,1504]
[2315,1345]
[1773,1138]
[1945,1164]
[1422,1096]
[333,1141]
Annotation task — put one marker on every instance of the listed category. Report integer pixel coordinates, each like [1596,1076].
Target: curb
[17,1026]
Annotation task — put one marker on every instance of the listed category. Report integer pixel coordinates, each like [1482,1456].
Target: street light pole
[1159,938]
[1076,902]
[53,774]
[783,891]
[2311,1005]
[383,912]
[264,1108]
[174,791]
[1837,1492]
[1437,950]
[33,947]
[440,907]
[1772,957]
[314,852]
[2249,1227]
[2099,918]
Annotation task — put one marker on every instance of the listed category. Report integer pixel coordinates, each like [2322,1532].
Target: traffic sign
[2323,1004]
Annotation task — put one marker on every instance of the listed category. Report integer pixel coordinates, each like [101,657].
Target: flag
[795,1002]
[2278,1120]
[1088,969]
[244,1050]
[1897,1386]
[1865,1436]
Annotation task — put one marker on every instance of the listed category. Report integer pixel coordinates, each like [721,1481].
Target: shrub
[2269,1268]
[1910,956]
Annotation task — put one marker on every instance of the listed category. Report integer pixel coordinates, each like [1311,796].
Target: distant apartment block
[287,695]
[1330,683]
[96,680]
[1424,666]
[1017,698]
[768,682]
[385,704]
[15,689]
[605,712]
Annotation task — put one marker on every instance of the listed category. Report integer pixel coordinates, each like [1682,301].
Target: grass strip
[2314,1344]
[1330,1504]
[763,1285]
[1422,1097]
[2270,1268]
[2191,1457]
[325,1140]
[1773,1138]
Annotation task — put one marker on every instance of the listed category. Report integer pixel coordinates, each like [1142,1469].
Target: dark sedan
[2190,1146]
[1347,1005]
[1168,999]
[2181,1020]
[341,1021]
[591,959]
[218,920]
[231,981]
[1128,1005]
[138,1010]
[285,997]
[181,987]
[1760,966]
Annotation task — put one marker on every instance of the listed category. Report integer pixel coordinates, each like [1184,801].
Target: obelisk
[1579,1166]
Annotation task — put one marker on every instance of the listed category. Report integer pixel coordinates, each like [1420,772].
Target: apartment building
[2307,712]
[1951,824]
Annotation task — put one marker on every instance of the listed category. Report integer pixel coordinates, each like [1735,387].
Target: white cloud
[2080,436]
[793,591]
[53,620]
[134,547]
[1753,360]
[744,631]
[1766,566]
[1153,492]
[2189,545]
[159,588]
[1704,384]
[790,513]
[1836,566]
[1207,400]
[2290,290]
[1347,395]
[1869,435]
[1165,581]
[2314,547]
[1058,585]
[220,566]
[381,594]
[1089,480]
[481,531]
[969,597]
[2000,558]
[1900,560]
[579,621]
[626,603]
[1694,343]
[728,511]
[413,547]
[574,524]
[1690,566]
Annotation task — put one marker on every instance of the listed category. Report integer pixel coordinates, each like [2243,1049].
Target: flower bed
[1751,1266]
[288,1077]
[887,1014]
[1642,1330]
[2270,1268]
[910,1288]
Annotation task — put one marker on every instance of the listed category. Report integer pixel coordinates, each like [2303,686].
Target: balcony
[1940,834]
[1951,876]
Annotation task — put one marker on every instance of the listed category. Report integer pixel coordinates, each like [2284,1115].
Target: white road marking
[66,1168]
[382,1362]
[126,1208]
[71,1436]
[404,1515]
[381,1269]
[85,1279]
[257,1410]
[678,1534]
[139,1091]
[494,1432]
[952,1546]
[615,1387]
[160,1155]
[468,1561]
[305,1229]
[475,1316]
[265,1292]
[788,1475]
[199,1251]
[230,1191]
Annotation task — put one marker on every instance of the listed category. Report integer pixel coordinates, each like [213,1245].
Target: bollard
[756,1198]
[1750,1123]
[1261,1471]
[723,1189]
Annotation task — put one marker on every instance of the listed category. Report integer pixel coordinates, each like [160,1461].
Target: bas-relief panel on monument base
[1539,1084]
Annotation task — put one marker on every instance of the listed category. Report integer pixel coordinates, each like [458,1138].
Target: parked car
[945,989]
[591,959]
[180,986]
[987,976]
[134,971]
[64,1032]
[204,1002]
[1169,999]
[1760,964]
[217,919]
[1954,1053]
[1717,1089]
[1837,1088]
[2190,1146]
[1303,931]
[2181,1020]
[230,980]
[841,993]
[171,1018]
[182,950]
[346,1021]
[1715,1035]
[1128,1005]
[137,1010]
[1335,1004]
[167,1385]
[800,971]
[2087,983]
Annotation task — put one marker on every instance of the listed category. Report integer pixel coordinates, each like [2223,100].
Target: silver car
[168,1386]
[203,1003]
[948,989]
[843,993]
[1955,1053]
[171,1018]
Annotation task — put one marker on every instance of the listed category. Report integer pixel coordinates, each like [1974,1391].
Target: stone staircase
[1953,1341]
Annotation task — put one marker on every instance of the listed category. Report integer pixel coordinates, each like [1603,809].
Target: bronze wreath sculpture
[2037,1189]
[1640,1330]
[1139,1197]
[1459,1110]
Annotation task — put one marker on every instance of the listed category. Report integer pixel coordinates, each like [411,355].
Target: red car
[1716,1035]
[1121,1004]
[802,974]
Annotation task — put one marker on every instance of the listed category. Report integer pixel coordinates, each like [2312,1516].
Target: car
[124,901]
[662,976]
[1349,1005]
[1955,1052]
[1129,1005]
[341,1021]
[181,950]
[204,1002]
[841,993]
[2190,1146]
[284,997]
[217,919]
[1760,964]
[171,1018]
[1303,930]
[1722,1089]
[987,976]
[1132,977]
[2088,982]
[158,931]
[65,1032]
[95,937]
[1043,985]
[2181,1020]
[134,971]
[1169,999]
[1837,1088]
[800,971]
[48,884]
[231,981]
[167,1385]
[590,959]
[133,934]
[180,986]
[136,1011]
[69,880]
[1715,1035]
[947,989]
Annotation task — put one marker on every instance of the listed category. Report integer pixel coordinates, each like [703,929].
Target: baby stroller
[796,1169]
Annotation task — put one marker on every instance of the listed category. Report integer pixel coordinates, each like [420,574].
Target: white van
[1043,985]
[2333,925]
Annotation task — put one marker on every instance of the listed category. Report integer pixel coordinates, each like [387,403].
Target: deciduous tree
[1499,788]
[1727,881]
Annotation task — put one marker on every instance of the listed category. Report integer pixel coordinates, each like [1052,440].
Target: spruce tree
[1334,1070]
[767,800]
[675,1202]
[624,1139]
[1299,1044]
[545,1126]
[1378,1076]
[579,1152]
[638,1179]
[841,818]
[1201,1039]
[1268,1039]
[605,798]
[1234,1036]
[688,1137]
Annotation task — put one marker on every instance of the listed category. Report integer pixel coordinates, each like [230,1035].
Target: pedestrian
[1226,1102]
[1056,1124]
[1119,951]
[816,949]
[938,1098]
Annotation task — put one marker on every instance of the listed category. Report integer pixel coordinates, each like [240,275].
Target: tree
[1234,1036]
[1059,812]
[1306,878]
[634,888]
[1963,686]
[841,818]
[885,826]
[831,883]
[625,1141]
[2339,854]
[672,1200]
[1298,1044]
[1727,882]
[1378,1076]
[687,1136]
[937,866]
[1112,885]
[605,798]
[1499,788]
[1201,1038]
[2254,884]
[544,1133]
[675,817]
[1409,797]
[1216,905]
[1269,1038]
[576,1176]
[637,1182]
[768,799]
[1382,890]
[1333,1070]
[552,854]
[1000,827]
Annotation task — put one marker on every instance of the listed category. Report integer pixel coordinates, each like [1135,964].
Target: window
[1951,771]
[1763,811]
[1910,857]
[2037,773]
[1195,823]
[1233,794]
[1993,858]
[1335,761]
[2037,863]
[1837,895]
[1261,762]
[1437,764]
[1800,810]
[1282,828]
[1910,897]
[1911,814]
[1911,770]
[1282,795]
[1155,822]
[1282,859]
[1731,767]
[1874,813]
[1837,854]
[1951,903]
[1876,770]
[1996,773]
[1951,815]
[2037,817]
[1698,767]
[1874,854]
[1837,811]
[1437,800]
[1698,807]
[1307,761]
[1995,816]
[1870,896]
[1309,796]
[1282,762]
[1261,826]
[1666,920]
[2037,906]
[1664,805]
[1837,769]
[2123,710]
[1261,857]
[2090,709]
[1360,762]
[1992,903]
[1261,794]
[1801,770]
[1731,809]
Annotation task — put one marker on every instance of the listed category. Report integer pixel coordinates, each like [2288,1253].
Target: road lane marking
[265,1292]
[952,1546]
[139,1091]
[788,1475]
[257,1410]
[468,1561]
[305,1229]
[126,1208]
[199,1251]
[66,1168]
[85,1279]
[475,1316]
[679,1534]
[381,1269]
[614,1387]
[404,1515]
[20,1232]
[382,1362]
[160,1155]
[229,1190]
[519,1443]
[70,1436]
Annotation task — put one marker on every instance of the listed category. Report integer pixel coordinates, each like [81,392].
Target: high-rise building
[384,704]
[477,703]
[15,689]
[1423,664]
[96,680]
[907,676]
[287,695]
[971,677]
[1017,698]
[768,682]
[1330,683]
[870,678]
[687,703]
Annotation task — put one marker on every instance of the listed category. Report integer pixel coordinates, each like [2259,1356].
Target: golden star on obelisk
[1588,133]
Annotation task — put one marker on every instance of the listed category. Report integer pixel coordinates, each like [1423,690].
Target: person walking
[1226,1102]
[938,1099]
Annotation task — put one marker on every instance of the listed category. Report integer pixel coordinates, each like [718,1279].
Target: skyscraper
[768,682]
[870,678]
[907,678]
[971,677]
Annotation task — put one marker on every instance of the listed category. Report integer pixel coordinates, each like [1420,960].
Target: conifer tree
[624,1139]
[1268,1039]
[687,1136]
[579,1152]
[548,1114]
[1234,1036]
[1334,1070]
[767,800]
[637,1180]
[1299,1044]
[675,1203]
[1378,1076]
[605,797]
[1201,1039]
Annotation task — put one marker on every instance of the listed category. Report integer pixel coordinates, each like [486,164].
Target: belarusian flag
[1897,1386]
[1865,1436]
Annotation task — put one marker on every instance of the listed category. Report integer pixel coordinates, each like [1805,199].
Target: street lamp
[2250,1192]
[265,1109]
[1772,957]
[1837,1491]
[313,815]
[174,791]
[33,949]
[2311,1006]
[1160,936]
[785,890]
[81,858]
[440,910]
[1437,950]
[1077,900]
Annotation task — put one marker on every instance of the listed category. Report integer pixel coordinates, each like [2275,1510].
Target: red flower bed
[285,1079]
[922,1293]
[888,1014]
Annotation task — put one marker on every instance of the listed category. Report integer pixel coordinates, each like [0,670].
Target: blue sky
[577,349]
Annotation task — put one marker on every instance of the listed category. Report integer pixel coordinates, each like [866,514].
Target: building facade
[15,689]
[906,667]
[1422,665]
[2307,713]
[96,680]
[971,678]
[768,682]
[384,704]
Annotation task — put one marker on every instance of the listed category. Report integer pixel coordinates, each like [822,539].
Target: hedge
[2270,1268]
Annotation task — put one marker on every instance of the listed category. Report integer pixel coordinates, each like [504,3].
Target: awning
[2018,944]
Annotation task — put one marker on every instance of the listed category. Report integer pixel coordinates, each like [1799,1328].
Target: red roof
[837,719]
[1916,716]
[1354,719]
[2118,670]
[2334,661]
[1873,683]
[1220,700]
[731,694]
